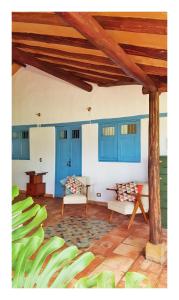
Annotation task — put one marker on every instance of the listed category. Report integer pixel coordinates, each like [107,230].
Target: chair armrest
[112,189]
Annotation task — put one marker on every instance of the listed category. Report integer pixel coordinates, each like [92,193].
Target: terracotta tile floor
[120,250]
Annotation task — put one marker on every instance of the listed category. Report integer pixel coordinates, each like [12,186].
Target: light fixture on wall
[89,109]
[38,115]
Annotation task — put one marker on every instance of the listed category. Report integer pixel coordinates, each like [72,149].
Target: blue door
[68,154]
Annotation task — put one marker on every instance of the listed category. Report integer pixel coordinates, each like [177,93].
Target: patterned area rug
[79,231]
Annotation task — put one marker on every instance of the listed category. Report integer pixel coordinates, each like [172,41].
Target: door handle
[69,163]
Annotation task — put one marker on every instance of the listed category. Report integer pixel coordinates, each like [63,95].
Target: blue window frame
[20,143]
[120,141]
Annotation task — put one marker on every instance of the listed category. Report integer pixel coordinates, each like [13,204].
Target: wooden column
[154,172]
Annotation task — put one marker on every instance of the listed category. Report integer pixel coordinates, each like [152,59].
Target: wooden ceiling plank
[83,43]
[24,58]
[87,71]
[69,48]
[122,23]
[133,14]
[38,18]
[103,68]
[88,57]
[88,27]
[133,24]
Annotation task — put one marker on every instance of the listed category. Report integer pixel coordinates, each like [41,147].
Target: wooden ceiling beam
[19,63]
[80,70]
[92,30]
[91,78]
[86,73]
[81,64]
[83,43]
[91,58]
[117,83]
[24,58]
[130,24]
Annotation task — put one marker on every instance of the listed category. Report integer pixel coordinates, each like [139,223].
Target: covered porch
[95,53]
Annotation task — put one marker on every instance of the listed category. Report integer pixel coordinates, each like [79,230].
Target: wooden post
[154,173]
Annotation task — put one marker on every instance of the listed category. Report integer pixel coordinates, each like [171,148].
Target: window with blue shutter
[20,143]
[108,142]
[120,141]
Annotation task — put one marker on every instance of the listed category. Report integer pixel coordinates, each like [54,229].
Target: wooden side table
[36,186]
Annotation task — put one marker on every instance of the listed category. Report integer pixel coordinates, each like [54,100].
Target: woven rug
[79,231]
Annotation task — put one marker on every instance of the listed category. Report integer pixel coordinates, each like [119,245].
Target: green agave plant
[40,264]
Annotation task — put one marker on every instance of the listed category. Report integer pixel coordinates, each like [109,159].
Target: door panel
[75,151]
[68,154]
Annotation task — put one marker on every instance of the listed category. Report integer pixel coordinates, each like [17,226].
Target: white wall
[57,101]
[42,145]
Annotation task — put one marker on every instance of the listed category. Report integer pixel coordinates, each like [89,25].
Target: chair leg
[133,213]
[62,212]
[110,216]
[143,211]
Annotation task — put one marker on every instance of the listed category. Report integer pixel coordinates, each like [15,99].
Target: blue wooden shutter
[24,151]
[20,143]
[108,142]
[15,144]
[129,141]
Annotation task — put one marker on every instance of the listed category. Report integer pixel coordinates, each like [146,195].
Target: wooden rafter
[91,29]
[124,23]
[19,63]
[84,72]
[52,52]
[83,43]
[24,58]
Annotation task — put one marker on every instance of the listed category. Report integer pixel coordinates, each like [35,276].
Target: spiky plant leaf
[52,245]
[58,261]
[26,251]
[135,280]
[18,245]
[36,221]
[25,216]
[15,191]
[19,206]
[66,275]
[101,280]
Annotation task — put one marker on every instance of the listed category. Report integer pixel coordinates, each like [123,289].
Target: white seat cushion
[126,207]
[74,199]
